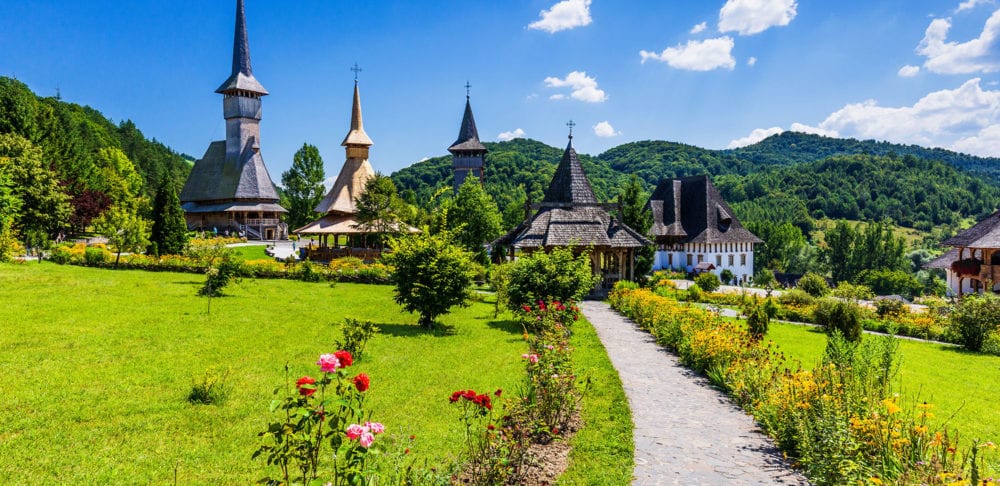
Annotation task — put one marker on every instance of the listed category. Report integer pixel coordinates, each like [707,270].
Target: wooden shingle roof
[468,134]
[356,136]
[214,178]
[691,210]
[242,78]
[569,183]
[984,234]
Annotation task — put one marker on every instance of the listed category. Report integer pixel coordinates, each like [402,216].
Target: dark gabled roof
[984,234]
[241,78]
[692,210]
[214,178]
[468,135]
[573,226]
[569,184]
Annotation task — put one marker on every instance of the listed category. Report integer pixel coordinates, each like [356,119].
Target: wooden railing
[262,221]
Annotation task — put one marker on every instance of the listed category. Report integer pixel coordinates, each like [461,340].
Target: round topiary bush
[813,284]
[840,316]
[975,319]
[709,282]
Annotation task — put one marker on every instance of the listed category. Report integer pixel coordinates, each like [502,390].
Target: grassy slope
[957,382]
[96,365]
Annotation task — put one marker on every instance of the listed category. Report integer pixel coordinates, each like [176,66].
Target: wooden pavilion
[571,216]
[338,209]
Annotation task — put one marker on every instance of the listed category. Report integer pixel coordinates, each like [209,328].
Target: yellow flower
[920,429]
[890,406]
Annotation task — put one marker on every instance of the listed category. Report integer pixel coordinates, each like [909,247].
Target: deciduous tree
[303,185]
[432,274]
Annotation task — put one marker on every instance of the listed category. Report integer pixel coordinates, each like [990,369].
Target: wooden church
[229,189]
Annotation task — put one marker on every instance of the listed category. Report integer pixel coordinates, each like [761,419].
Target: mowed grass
[96,365]
[964,387]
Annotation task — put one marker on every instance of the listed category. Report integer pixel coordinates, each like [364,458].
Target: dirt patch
[548,461]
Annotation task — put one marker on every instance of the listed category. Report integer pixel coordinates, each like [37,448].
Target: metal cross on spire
[468,87]
[571,124]
[356,70]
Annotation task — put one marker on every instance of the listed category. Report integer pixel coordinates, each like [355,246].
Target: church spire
[357,141]
[467,152]
[242,78]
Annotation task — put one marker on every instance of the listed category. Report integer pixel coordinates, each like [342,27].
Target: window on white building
[718,260]
[689,259]
[743,258]
[730,260]
[701,258]
[670,259]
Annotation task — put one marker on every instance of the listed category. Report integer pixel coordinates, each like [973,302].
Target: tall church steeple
[467,153]
[241,92]
[357,141]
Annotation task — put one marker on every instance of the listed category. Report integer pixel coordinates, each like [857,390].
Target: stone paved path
[685,431]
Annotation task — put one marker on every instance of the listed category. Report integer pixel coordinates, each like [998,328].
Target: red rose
[344,357]
[526,308]
[361,382]
[305,386]
[498,392]
[455,396]
[469,395]
[491,427]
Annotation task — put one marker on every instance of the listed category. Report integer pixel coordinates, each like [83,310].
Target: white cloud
[952,57]
[703,55]
[507,136]
[748,17]
[966,119]
[752,61]
[567,14]
[605,130]
[754,137]
[909,71]
[699,28]
[558,96]
[971,4]
[584,87]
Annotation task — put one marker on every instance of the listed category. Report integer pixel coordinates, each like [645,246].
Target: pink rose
[328,363]
[367,439]
[354,431]
[530,357]
[375,427]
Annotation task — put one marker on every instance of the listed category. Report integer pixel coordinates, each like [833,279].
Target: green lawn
[251,252]
[964,387]
[95,366]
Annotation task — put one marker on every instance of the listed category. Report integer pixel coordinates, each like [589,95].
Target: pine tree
[169,235]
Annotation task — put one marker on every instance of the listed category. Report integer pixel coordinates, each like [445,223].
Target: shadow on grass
[412,330]
[958,349]
[508,325]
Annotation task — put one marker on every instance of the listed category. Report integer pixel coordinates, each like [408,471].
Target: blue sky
[712,73]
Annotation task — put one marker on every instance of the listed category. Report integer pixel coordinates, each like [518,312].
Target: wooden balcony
[989,273]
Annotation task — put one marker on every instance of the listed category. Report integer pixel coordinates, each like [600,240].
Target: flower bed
[842,422]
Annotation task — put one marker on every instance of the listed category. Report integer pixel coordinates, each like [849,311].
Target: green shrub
[838,316]
[770,308]
[764,278]
[708,281]
[726,275]
[210,390]
[975,319]
[757,321]
[694,293]
[890,308]
[432,274]
[356,335]
[849,291]
[95,256]
[796,297]
[60,255]
[889,282]
[307,272]
[558,275]
[813,284]
[219,276]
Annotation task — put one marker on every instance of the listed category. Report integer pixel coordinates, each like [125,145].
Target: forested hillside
[790,177]
[93,162]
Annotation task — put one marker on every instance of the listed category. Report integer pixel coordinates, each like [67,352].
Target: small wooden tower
[467,153]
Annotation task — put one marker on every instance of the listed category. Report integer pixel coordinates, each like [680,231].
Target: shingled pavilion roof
[984,234]
[468,135]
[691,210]
[242,78]
[570,215]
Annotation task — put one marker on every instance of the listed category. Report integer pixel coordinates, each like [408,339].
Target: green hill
[789,177]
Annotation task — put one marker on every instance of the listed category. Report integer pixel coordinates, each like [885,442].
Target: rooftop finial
[571,124]
[468,88]
[357,69]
